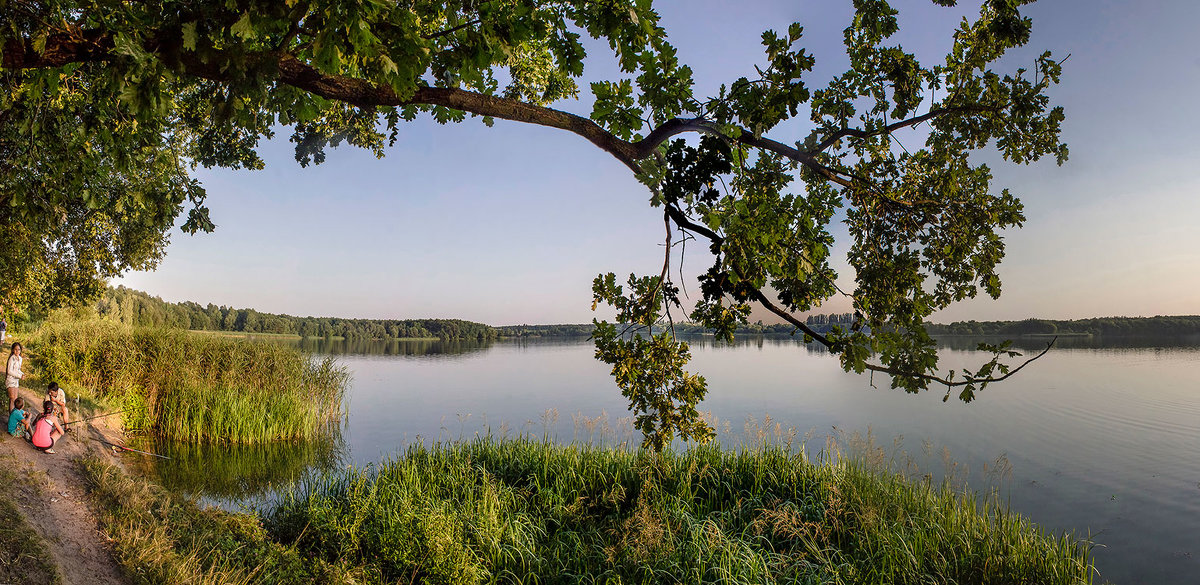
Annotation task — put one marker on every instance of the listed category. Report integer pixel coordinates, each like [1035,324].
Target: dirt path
[53,496]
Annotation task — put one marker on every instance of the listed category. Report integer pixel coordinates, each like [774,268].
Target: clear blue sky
[510,224]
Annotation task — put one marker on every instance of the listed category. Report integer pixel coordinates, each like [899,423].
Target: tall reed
[527,511]
[194,387]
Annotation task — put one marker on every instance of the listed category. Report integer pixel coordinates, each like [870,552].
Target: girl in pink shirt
[46,429]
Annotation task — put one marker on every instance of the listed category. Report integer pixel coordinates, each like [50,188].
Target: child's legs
[12,395]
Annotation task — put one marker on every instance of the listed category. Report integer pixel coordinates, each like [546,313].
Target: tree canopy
[106,106]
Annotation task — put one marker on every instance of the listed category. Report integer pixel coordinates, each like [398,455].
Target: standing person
[46,429]
[18,420]
[3,329]
[59,397]
[12,373]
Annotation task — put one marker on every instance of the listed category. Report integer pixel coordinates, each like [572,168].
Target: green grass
[159,537]
[527,511]
[24,557]
[195,388]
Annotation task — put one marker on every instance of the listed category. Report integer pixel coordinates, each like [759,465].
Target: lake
[1097,437]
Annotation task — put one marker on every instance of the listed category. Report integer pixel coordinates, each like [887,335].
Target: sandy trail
[53,497]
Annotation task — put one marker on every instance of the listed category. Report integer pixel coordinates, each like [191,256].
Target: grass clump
[194,387]
[527,511]
[159,537]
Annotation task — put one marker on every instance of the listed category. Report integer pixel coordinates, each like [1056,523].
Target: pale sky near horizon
[510,224]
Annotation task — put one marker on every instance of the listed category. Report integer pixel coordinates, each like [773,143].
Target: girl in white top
[12,374]
[59,397]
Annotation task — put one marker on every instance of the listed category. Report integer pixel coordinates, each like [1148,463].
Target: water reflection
[393,347]
[237,475]
[1038,342]
[444,348]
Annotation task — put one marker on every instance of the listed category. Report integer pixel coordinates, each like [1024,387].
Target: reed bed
[195,388]
[521,510]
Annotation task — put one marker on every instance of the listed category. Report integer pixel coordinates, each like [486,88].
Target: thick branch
[62,48]
[682,220]
[65,48]
[782,313]
[676,126]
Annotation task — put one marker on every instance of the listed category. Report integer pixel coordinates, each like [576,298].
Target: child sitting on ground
[46,429]
[59,397]
[18,420]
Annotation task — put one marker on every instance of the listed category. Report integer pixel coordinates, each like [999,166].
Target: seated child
[46,429]
[18,420]
[59,397]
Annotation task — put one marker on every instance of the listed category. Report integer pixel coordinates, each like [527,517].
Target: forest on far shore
[134,307]
[137,308]
[1111,326]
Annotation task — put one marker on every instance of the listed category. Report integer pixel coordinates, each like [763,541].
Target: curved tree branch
[73,47]
[858,133]
[62,48]
[951,384]
[683,221]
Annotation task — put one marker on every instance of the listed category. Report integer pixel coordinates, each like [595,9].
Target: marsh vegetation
[524,510]
[195,388]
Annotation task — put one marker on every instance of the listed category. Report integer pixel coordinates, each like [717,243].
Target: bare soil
[52,495]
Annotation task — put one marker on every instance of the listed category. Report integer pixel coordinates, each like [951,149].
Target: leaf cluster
[648,367]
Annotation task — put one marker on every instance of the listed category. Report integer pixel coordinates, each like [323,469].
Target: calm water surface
[1092,438]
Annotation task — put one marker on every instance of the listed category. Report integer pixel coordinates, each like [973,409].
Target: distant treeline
[1113,326]
[134,307]
[819,323]
[569,330]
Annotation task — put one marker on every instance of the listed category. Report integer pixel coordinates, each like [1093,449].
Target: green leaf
[243,28]
[189,36]
[124,45]
[389,66]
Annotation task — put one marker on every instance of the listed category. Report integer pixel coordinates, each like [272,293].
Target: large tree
[108,104]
